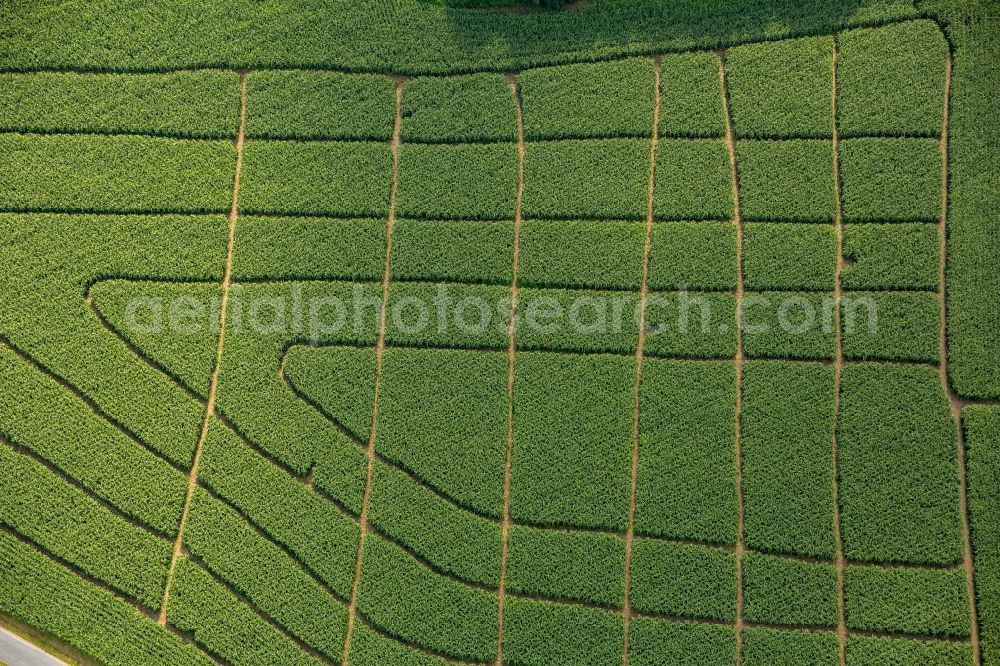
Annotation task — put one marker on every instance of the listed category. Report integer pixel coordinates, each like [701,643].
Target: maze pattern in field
[711,495]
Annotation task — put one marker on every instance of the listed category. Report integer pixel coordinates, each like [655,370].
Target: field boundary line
[140,354]
[739,359]
[838,369]
[24,451]
[227,277]
[536,286]
[233,427]
[379,353]
[310,571]
[511,354]
[88,402]
[74,570]
[639,358]
[77,570]
[254,608]
[954,401]
[333,138]
[198,561]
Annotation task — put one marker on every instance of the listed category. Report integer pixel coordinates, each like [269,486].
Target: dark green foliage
[115,173]
[687,457]
[973,199]
[39,592]
[906,329]
[691,325]
[872,651]
[693,255]
[68,523]
[141,313]
[313,530]
[789,256]
[454,541]
[898,474]
[891,179]
[537,633]
[369,648]
[577,320]
[581,254]
[319,105]
[982,434]
[401,595]
[56,257]
[112,466]
[787,180]
[448,315]
[339,380]
[683,580]
[572,447]
[915,601]
[891,256]
[693,180]
[194,104]
[691,95]
[453,250]
[282,248]
[321,177]
[891,79]
[607,99]
[778,590]
[771,647]
[588,567]
[586,179]
[413,38]
[477,107]
[289,430]
[788,325]
[782,88]
[443,415]
[223,625]
[787,436]
[274,582]
[657,642]
[455,182]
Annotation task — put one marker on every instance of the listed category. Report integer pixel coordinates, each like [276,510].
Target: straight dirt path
[739,359]
[838,373]
[511,354]
[639,357]
[227,279]
[379,353]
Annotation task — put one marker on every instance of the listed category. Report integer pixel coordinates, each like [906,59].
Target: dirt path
[739,358]
[379,353]
[511,353]
[639,357]
[838,372]
[227,278]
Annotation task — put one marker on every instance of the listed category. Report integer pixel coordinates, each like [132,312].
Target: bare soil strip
[838,371]
[739,358]
[379,351]
[955,402]
[227,278]
[511,353]
[639,356]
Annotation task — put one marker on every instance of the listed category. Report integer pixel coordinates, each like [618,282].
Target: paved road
[15,651]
